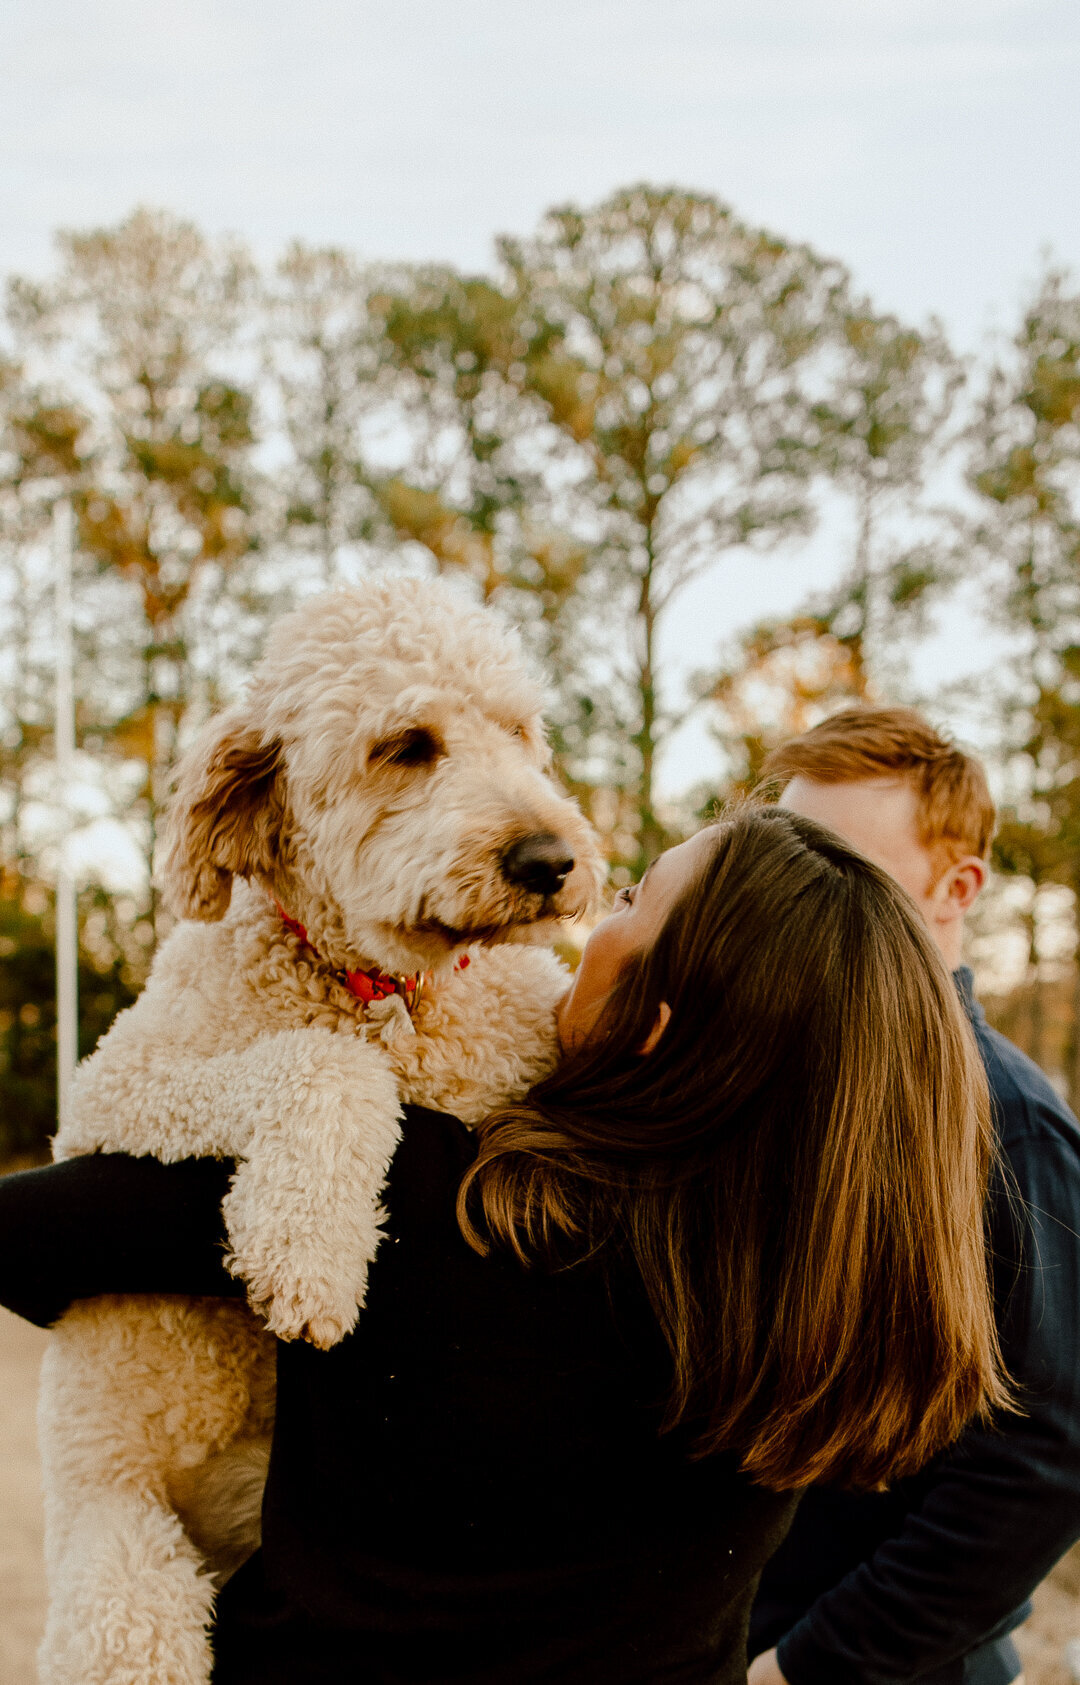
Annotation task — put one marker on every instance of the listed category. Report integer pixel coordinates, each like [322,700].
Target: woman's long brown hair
[798,1170]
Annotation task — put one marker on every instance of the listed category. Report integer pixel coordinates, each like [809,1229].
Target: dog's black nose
[541,863]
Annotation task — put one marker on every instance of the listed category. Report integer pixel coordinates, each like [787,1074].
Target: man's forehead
[882,806]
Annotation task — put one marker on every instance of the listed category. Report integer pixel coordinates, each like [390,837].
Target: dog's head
[386,779]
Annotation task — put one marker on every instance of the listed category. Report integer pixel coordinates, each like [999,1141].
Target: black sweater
[470,1487]
[925,1583]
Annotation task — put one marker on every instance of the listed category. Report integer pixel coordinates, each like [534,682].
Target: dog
[362,853]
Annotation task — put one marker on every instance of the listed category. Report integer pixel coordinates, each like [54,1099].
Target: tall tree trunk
[1072,1045]
[1032,1022]
[863,592]
[651,832]
[164,710]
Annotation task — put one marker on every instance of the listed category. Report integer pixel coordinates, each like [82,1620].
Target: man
[926,1582]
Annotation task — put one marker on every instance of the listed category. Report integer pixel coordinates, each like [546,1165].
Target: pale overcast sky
[935,147]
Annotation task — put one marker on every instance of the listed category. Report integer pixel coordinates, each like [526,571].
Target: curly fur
[387,756]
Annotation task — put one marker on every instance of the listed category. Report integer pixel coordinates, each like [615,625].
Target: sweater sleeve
[999,1510]
[107,1223]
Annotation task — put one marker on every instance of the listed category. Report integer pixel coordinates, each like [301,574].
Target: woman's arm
[107,1223]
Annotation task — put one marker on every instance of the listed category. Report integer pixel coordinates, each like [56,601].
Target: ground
[1055,1623]
[22,1592]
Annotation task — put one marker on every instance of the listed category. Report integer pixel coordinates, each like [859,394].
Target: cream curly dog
[382,795]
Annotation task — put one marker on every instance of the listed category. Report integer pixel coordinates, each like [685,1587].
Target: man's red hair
[955,810]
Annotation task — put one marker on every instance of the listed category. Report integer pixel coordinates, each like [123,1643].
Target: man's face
[879,817]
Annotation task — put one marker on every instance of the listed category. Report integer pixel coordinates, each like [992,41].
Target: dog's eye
[418,747]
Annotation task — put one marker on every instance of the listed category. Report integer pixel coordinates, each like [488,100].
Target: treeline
[633,393]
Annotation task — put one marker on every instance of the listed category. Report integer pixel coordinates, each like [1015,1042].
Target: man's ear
[960,885]
[663,1019]
[225,819]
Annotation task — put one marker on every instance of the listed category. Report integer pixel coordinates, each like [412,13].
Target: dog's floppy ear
[225,818]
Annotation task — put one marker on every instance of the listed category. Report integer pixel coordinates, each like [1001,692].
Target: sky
[934,147]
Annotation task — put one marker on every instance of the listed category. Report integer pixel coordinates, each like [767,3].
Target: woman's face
[631,926]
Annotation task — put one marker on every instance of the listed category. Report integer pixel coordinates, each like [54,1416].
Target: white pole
[67,932]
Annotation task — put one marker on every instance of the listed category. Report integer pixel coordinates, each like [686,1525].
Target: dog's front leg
[303,1212]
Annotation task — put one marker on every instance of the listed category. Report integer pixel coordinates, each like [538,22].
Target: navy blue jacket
[927,1582]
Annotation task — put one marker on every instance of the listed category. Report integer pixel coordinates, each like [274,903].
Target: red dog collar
[370,985]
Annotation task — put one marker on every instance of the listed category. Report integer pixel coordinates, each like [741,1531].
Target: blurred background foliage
[637,390]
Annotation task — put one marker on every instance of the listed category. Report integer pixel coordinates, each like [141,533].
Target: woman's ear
[663,1018]
[225,818]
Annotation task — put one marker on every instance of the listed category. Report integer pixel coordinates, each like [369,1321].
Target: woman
[732,1246]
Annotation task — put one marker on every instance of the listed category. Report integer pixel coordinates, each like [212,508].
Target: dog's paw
[323,1327]
[303,1284]
[295,1309]
[326,1331]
